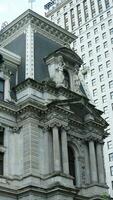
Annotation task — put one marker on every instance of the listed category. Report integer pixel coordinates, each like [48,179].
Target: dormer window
[66,79]
[1,89]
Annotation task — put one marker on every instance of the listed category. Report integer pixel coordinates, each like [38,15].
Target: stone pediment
[81,108]
[68,55]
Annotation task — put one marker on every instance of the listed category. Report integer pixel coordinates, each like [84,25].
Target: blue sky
[10,9]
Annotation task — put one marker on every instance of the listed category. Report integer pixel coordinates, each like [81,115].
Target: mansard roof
[68,53]
[40,23]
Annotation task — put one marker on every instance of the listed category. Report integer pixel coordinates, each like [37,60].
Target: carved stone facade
[51,137]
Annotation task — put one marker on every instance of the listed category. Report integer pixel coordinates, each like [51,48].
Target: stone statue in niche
[59,71]
[56,71]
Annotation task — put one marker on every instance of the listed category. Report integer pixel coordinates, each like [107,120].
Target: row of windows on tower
[92,8]
[72,18]
[97,40]
[71,15]
[99,57]
[96,31]
[109,73]
[100,67]
[95,91]
[110,157]
[81,30]
[106,110]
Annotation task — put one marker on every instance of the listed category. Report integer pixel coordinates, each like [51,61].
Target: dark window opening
[1,89]
[66,79]
[1,59]
[71,163]
[1,163]
[1,137]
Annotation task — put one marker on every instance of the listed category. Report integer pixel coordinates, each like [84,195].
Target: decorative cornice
[8,107]
[54,116]
[46,87]
[10,57]
[68,54]
[96,124]
[56,122]
[41,24]
[92,137]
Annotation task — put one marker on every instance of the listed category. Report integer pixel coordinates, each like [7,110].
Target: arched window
[71,163]
[66,79]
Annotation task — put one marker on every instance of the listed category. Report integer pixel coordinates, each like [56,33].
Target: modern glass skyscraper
[92,22]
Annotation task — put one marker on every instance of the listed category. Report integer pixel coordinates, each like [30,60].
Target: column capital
[16,129]
[57,123]
[101,142]
[65,128]
[92,137]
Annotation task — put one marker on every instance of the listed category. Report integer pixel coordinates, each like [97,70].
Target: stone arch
[75,163]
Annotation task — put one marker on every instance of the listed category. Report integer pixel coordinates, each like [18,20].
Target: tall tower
[92,22]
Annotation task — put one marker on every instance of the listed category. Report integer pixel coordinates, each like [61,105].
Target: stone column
[65,162]
[78,176]
[47,146]
[100,163]
[7,89]
[93,165]
[56,149]
[86,151]
[6,154]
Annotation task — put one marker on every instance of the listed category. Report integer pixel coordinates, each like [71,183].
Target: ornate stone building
[51,137]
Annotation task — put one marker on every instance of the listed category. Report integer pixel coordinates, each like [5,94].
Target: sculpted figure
[56,70]
[59,76]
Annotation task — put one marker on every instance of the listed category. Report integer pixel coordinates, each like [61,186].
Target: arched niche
[74,163]
[66,79]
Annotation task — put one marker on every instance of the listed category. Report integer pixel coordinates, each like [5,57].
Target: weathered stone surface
[52,134]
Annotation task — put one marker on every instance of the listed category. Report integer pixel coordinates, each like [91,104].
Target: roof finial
[31,3]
